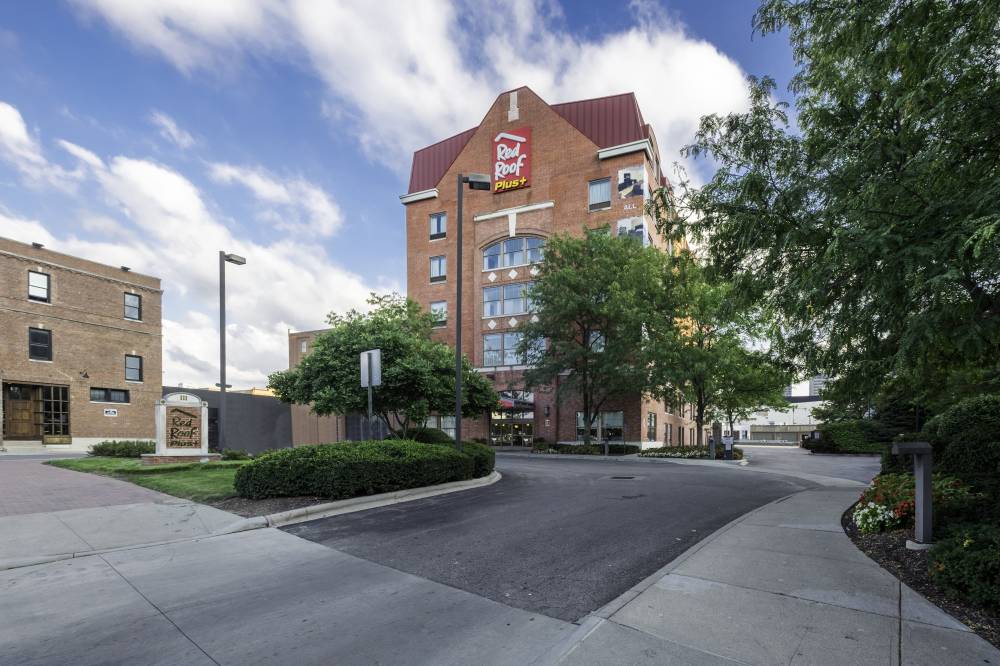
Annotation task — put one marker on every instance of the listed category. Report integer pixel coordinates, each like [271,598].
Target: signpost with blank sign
[371,376]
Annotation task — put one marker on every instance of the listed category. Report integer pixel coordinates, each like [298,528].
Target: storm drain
[623,477]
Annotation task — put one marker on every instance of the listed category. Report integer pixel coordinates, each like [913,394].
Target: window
[303,346]
[439,311]
[439,225]
[517,251]
[108,395]
[38,287]
[439,268]
[39,344]
[133,307]
[680,436]
[600,194]
[443,423]
[611,425]
[501,349]
[55,409]
[492,303]
[510,299]
[133,368]
[596,341]
[668,434]
[651,426]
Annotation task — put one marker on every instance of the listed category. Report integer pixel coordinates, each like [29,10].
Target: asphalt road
[555,536]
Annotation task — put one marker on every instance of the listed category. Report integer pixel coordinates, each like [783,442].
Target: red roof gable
[607,121]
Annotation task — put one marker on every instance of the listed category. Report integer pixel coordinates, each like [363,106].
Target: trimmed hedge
[857,436]
[352,469]
[967,563]
[124,448]
[428,436]
[689,452]
[591,449]
[483,457]
[969,434]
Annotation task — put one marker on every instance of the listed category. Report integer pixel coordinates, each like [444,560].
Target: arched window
[517,251]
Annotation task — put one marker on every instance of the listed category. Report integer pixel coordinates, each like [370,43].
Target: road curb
[279,519]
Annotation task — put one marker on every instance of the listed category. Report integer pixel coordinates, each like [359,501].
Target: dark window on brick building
[108,395]
[39,344]
[439,268]
[133,368]
[600,194]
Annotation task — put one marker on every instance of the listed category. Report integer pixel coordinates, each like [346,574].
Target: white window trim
[625,148]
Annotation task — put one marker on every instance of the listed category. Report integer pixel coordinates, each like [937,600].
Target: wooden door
[19,415]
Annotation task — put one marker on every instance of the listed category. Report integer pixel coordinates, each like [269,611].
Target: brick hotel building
[554,169]
[80,349]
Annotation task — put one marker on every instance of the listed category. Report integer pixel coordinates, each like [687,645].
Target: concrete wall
[254,423]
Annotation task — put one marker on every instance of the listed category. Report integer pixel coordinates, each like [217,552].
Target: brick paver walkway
[28,486]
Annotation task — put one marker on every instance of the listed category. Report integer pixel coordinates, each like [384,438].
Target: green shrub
[235,454]
[857,436]
[124,448]
[483,457]
[967,563]
[428,436]
[968,441]
[351,469]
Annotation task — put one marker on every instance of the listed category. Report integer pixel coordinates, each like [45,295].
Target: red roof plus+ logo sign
[512,160]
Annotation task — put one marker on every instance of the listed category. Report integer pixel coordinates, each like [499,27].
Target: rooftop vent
[38,245]
[126,269]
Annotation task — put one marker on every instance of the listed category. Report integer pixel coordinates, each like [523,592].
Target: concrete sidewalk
[780,585]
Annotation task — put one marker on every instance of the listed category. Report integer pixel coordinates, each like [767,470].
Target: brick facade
[90,338]
[307,427]
[564,160]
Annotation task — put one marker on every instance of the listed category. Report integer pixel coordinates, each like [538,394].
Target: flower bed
[689,452]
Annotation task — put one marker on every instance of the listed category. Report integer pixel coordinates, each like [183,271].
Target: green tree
[591,298]
[749,381]
[874,229]
[697,342]
[418,373]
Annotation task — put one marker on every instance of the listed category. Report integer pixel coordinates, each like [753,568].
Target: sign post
[922,526]
[371,376]
[727,441]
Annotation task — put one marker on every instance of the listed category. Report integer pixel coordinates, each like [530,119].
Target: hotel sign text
[512,160]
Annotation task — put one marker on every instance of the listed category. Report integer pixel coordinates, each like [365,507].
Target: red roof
[607,121]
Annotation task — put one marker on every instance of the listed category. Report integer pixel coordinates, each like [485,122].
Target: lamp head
[235,259]
[478,181]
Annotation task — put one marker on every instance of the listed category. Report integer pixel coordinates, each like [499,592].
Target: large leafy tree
[418,373]
[698,347]
[592,296]
[874,229]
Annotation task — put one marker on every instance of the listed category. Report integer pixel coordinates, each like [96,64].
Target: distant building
[80,359]
[781,425]
[816,384]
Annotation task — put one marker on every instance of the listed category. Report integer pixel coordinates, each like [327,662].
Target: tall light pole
[476,181]
[238,261]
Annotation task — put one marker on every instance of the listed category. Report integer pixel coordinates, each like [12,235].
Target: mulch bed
[249,508]
[889,550]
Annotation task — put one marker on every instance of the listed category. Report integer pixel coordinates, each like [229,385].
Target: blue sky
[153,134]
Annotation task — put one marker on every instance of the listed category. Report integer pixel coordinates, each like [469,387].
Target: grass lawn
[200,482]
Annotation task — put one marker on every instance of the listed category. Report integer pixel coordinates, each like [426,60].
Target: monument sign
[181,430]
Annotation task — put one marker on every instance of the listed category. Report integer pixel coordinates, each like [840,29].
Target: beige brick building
[554,169]
[307,427]
[80,349]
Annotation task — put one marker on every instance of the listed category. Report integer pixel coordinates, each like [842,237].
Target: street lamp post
[238,261]
[476,181]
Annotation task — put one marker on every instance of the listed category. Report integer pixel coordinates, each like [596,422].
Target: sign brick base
[153,459]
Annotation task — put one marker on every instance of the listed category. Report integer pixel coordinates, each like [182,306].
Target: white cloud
[170,130]
[24,152]
[167,229]
[399,80]
[304,206]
